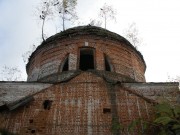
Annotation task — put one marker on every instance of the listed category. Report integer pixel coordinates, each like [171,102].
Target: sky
[158,23]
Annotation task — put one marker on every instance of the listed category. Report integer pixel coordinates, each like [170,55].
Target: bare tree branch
[45,12]
[132,34]
[66,10]
[26,55]
[107,12]
[10,74]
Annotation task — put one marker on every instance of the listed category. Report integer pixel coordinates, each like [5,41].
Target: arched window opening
[65,64]
[86,59]
[108,66]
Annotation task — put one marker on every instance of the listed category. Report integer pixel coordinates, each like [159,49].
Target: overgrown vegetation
[63,10]
[166,121]
[116,126]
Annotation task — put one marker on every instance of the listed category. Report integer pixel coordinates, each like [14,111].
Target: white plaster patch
[49,68]
[89,105]
[72,61]
[86,44]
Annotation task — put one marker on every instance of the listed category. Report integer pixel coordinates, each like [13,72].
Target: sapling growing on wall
[94,22]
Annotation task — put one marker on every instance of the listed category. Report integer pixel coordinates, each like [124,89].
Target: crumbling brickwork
[83,106]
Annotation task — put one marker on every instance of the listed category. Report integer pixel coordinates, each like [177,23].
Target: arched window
[65,64]
[108,66]
[86,59]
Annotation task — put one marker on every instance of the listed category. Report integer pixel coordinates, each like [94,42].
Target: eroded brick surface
[77,107]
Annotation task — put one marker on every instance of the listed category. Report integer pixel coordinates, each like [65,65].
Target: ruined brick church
[80,82]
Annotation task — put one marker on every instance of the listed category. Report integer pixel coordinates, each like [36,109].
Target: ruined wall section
[85,105]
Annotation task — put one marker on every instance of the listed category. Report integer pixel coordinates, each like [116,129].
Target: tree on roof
[132,34]
[45,12]
[66,10]
[107,12]
[95,22]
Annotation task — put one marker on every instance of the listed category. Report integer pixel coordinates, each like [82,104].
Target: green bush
[165,122]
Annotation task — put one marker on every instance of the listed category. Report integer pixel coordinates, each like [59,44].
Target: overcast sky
[158,22]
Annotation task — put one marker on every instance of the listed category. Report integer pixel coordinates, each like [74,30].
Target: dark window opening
[107,64]
[106,110]
[31,121]
[33,131]
[66,65]
[86,59]
[47,104]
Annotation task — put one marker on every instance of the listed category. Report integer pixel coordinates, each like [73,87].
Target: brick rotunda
[81,81]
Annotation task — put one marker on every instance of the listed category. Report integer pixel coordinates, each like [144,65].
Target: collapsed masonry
[79,82]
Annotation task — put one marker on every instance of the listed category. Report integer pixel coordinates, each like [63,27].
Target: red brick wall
[77,108]
[48,59]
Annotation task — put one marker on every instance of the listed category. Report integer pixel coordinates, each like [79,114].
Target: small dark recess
[47,104]
[106,110]
[66,65]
